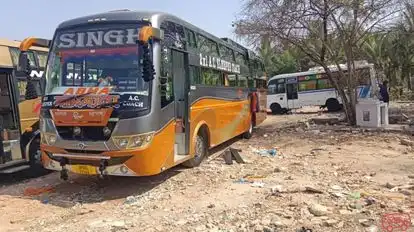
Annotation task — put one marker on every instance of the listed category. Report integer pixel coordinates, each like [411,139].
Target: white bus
[313,88]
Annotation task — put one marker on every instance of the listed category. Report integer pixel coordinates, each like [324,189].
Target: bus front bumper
[84,169]
[145,162]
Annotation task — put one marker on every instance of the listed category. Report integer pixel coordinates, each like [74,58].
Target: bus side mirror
[145,38]
[31,92]
[148,72]
[24,63]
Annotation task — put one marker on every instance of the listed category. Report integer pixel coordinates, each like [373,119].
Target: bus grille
[88,133]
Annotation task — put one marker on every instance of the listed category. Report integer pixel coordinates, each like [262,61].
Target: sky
[24,18]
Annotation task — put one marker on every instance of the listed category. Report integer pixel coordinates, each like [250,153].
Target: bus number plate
[84,169]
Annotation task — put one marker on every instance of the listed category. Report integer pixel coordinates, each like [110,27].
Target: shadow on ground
[80,189]
[87,189]
[91,189]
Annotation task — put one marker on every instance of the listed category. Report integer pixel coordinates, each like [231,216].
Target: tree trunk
[349,110]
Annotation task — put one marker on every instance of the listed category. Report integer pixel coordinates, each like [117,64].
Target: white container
[371,113]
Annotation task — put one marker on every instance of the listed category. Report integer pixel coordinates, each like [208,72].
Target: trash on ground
[370,201]
[355,195]
[266,152]
[242,181]
[249,179]
[258,184]
[304,229]
[33,191]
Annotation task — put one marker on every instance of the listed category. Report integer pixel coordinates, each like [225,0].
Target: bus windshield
[107,56]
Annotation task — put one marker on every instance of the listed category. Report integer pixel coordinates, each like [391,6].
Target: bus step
[15,169]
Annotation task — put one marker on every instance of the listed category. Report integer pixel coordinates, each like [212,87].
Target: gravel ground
[296,175]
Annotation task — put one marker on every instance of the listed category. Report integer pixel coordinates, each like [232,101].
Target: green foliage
[284,63]
[392,52]
[277,62]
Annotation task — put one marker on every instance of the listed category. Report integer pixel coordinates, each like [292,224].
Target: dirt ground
[296,175]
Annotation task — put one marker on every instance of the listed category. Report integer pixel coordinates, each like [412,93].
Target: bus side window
[180,36]
[207,46]
[232,80]
[21,85]
[167,93]
[191,39]
[15,52]
[42,59]
[281,88]
[211,77]
[173,34]
[242,80]
[251,82]
[194,75]
[323,84]
[277,86]
[307,85]
[225,79]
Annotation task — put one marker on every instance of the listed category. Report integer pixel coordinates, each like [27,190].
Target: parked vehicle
[312,88]
[141,92]
[19,107]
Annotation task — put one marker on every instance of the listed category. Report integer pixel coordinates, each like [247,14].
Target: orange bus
[134,93]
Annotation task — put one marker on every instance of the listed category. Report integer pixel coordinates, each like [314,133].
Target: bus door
[10,150]
[292,92]
[181,86]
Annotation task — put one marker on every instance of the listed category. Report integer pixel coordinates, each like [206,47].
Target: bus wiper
[72,97]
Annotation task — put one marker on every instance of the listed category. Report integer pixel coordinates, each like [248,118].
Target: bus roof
[155,17]
[296,74]
[16,44]
[6,60]
[318,70]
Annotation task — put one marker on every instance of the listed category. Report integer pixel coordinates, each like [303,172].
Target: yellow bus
[134,93]
[19,109]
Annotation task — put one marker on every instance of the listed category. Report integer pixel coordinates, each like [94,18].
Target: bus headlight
[133,141]
[47,138]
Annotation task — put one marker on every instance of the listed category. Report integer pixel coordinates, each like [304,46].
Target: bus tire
[249,133]
[35,157]
[333,105]
[201,151]
[276,108]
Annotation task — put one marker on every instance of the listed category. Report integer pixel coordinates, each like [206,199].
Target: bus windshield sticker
[133,101]
[83,90]
[217,63]
[89,101]
[98,38]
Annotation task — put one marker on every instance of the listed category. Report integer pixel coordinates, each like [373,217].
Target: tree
[326,31]
[375,49]
[284,63]
[266,51]
[406,42]
[276,62]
